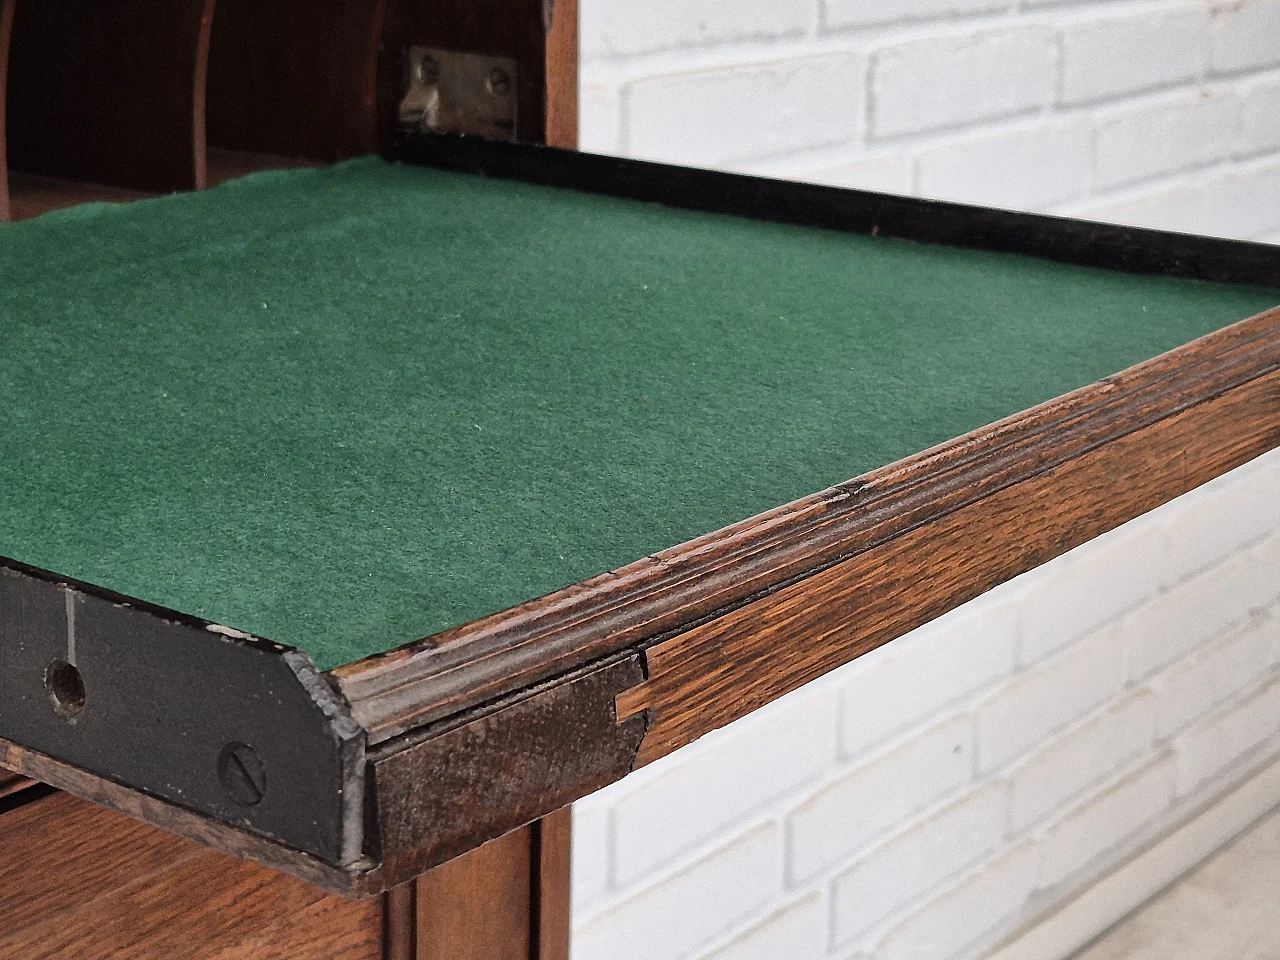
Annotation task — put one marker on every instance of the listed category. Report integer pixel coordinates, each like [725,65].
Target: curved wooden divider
[110,93]
[295,78]
[6,29]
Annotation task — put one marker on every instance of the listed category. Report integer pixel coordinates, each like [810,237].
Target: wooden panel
[296,78]
[552,888]
[6,31]
[716,673]
[540,35]
[78,880]
[110,93]
[477,907]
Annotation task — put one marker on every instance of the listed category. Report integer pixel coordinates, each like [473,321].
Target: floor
[1226,909]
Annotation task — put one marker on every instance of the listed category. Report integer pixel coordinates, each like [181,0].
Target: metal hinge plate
[451,92]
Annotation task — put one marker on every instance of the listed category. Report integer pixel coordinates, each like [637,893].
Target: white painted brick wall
[956,785]
[1105,57]
[881,812]
[934,83]
[1161,113]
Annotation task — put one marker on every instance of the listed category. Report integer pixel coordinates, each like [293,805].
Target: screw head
[428,69]
[499,82]
[242,774]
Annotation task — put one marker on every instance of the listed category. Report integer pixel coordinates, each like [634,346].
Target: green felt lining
[346,409]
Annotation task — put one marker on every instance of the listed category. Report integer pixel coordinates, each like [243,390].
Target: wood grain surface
[78,880]
[110,93]
[11,783]
[478,906]
[295,78]
[6,32]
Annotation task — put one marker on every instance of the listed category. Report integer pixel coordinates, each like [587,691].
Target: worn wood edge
[674,589]
[6,35]
[709,676]
[439,792]
[359,880]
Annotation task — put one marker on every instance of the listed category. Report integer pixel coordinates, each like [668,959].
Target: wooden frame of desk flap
[481,730]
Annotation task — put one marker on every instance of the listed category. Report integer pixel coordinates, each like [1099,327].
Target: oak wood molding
[672,591]
[132,75]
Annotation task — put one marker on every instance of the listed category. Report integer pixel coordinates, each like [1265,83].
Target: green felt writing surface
[348,409]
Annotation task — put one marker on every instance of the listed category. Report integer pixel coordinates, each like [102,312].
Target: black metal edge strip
[1081,242]
[173,706]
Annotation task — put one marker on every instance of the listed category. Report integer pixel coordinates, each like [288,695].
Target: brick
[1234,202]
[737,113]
[611,30]
[672,918]
[1079,759]
[861,806]
[1089,587]
[1194,686]
[1105,57]
[1190,131]
[1048,697]
[916,861]
[1213,522]
[599,123]
[1243,35]
[882,172]
[1214,745]
[1261,122]
[1101,824]
[1204,607]
[916,676]
[762,757]
[974,909]
[798,932]
[846,14]
[1027,168]
[590,870]
[949,81]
